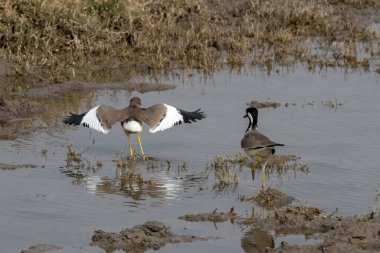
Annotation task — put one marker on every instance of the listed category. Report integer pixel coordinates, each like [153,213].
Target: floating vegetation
[226,170]
[332,104]
[282,164]
[260,105]
[44,153]
[5,166]
[132,180]
[77,166]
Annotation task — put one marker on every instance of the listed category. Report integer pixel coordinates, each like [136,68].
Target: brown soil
[151,235]
[212,217]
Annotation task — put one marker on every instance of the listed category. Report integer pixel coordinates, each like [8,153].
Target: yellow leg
[130,146]
[263,179]
[141,148]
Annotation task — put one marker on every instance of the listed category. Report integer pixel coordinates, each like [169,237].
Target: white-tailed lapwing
[158,117]
[256,145]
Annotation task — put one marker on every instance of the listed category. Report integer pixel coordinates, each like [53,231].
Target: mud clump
[151,235]
[41,248]
[271,199]
[212,217]
[5,166]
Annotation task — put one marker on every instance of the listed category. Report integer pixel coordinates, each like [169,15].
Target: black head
[252,114]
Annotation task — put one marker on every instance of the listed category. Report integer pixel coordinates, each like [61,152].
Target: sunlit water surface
[60,206]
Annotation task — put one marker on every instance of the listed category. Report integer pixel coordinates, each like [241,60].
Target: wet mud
[16,117]
[212,217]
[339,234]
[271,199]
[151,235]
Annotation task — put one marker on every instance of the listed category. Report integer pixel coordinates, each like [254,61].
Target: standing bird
[256,145]
[158,117]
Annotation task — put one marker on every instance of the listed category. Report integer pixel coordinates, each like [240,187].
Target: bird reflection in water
[257,241]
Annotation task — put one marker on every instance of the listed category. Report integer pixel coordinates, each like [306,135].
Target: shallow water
[51,204]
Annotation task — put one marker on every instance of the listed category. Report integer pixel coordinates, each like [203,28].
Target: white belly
[132,126]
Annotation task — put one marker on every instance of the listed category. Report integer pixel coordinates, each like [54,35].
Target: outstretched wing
[162,116]
[100,118]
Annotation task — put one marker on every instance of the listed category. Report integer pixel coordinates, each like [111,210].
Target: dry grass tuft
[56,38]
[225,169]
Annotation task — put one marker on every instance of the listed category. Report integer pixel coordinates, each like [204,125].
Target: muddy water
[53,204]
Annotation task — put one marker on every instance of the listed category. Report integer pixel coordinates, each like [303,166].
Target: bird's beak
[245,116]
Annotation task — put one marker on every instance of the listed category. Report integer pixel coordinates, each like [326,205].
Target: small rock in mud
[41,248]
[260,105]
[151,235]
[213,217]
[272,198]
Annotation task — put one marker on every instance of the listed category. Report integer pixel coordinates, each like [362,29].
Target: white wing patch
[91,120]
[172,118]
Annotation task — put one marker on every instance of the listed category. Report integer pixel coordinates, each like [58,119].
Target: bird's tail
[189,117]
[74,119]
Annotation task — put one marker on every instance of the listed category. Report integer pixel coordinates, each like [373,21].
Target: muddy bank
[151,235]
[339,234]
